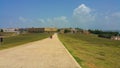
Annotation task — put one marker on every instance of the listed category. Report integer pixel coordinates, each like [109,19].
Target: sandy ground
[47,53]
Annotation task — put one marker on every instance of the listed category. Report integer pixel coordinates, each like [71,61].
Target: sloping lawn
[91,51]
[21,39]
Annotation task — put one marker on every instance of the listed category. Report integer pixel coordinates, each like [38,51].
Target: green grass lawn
[91,51]
[7,34]
[21,39]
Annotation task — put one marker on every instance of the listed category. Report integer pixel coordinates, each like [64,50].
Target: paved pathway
[47,53]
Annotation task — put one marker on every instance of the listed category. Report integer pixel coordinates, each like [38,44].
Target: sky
[86,14]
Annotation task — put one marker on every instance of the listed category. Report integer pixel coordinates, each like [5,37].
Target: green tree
[1,30]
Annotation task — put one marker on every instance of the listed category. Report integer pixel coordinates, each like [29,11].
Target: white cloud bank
[85,17]
[61,21]
[83,14]
[82,9]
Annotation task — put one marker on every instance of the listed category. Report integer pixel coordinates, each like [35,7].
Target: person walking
[51,36]
[1,40]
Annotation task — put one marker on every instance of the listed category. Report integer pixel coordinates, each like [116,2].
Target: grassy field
[21,39]
[91,51]
[7,34]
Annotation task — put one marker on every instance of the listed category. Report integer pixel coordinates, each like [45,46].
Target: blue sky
[87,14]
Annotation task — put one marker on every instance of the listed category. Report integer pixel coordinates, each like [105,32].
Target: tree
[1,30]
[66,31]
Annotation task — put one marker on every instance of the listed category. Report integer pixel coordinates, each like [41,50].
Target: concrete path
[47,53]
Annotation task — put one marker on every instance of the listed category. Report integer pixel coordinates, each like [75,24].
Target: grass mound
[91,51]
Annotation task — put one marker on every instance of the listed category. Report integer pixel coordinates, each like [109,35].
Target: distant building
[22,30]
[10,29]
[61,31]
[35,30]
[50,29]
[115,37]
[68,30]
[85,32]
[73,30]
[42,29]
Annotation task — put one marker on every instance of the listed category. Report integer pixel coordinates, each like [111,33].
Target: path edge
[69,53]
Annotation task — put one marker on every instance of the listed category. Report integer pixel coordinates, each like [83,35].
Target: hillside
[91,51]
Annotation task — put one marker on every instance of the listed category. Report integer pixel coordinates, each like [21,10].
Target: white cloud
[113,17]
[60,19]
[83,14]
[112,21]
[48,20]
[117,14]
[22,19]
[55,22]
[82,9]
[41,20]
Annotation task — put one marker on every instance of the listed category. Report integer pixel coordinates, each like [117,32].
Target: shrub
[105,35]
[66,31]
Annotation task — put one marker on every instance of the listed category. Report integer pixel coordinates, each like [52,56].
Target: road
[46,53]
